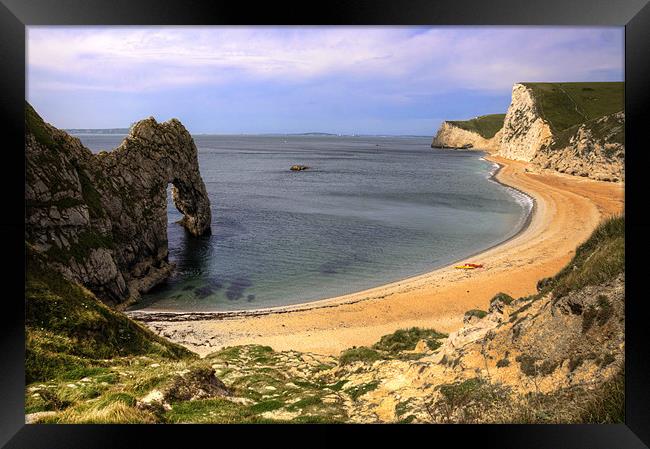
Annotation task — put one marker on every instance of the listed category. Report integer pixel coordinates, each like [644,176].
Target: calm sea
[371,210]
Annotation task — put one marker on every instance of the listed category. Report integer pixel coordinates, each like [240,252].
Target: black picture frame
[15,15]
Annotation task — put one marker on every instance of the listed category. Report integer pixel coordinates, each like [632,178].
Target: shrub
[503,297]
[527,364]
[360,390]
[598,314]
[362,354]
[503,363]
[476,313]
[407,339]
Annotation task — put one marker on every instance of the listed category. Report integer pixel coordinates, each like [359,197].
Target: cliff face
[452,136]
[101,219]
[524,131]
[594,149]
[573,128]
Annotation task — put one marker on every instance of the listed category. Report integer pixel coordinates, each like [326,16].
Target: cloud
[403,62]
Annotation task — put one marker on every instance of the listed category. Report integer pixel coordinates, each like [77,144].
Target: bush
[503,363]
[362,354]
[407,339]
[598,314]
[360,390]
[476,313]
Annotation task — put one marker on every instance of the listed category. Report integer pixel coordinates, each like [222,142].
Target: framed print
[417,214]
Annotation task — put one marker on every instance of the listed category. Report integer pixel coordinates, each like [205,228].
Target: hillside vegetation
[564,105]
[556,356]
[485,125]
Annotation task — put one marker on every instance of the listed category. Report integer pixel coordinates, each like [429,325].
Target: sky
[348,80]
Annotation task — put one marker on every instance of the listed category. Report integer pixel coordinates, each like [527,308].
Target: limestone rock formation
[101,219]
[299,168]
[580,132]
[595,150]
[452,136]
[524,130]
[536,345]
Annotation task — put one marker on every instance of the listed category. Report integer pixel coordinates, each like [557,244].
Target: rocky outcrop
[576,144]
[524,130]
[450,135]
[299,168]
[530,346]
[101,219]
[594,149]
[539,358]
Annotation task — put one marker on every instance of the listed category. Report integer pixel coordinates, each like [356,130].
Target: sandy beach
[567,209]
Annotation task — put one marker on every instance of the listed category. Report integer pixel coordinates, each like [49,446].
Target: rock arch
[101,219]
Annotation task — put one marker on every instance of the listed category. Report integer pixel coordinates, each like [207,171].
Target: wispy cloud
[391,66]
[133,59]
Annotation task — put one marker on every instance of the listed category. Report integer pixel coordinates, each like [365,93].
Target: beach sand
[567,209]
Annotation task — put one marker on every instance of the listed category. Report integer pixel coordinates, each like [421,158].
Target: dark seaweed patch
[215,283]
[188,287]
[237,287]
[250,298]
[203,292]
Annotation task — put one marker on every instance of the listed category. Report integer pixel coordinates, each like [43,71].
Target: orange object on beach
[469,266]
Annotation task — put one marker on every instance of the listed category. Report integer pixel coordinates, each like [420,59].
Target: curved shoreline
[566,210]
[150,314]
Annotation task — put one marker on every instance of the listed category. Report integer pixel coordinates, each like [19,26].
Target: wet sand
[567,209]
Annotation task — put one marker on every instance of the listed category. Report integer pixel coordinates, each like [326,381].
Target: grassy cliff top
[485,125]
[565,105]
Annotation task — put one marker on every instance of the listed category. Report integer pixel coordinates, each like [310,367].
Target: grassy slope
[598,260]
[485,125]
[477,400]
[565,105]
[70,333]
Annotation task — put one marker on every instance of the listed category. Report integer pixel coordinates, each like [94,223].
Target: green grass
[565,105]
[598,260]
[357,391]
[213,411]
[80,250]
[466,401]
[476,313]
[485,125]
[502,297]
[362,354]
[394,346]
[69,329]
[407,339]
[35,124]
[90,195]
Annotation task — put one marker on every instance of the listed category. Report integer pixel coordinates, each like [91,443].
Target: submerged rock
[102,218]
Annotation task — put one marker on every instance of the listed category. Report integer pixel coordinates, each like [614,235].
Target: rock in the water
[102,218]
[299,167]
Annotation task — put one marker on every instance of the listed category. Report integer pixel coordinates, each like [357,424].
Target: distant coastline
[125,131]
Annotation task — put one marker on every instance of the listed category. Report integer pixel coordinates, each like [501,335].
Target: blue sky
[363,80]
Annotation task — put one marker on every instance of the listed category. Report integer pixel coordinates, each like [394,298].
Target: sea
[370,210]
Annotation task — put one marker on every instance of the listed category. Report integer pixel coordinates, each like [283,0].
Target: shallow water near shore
[369,211]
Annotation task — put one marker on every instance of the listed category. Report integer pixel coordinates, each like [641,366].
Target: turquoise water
[371,210]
